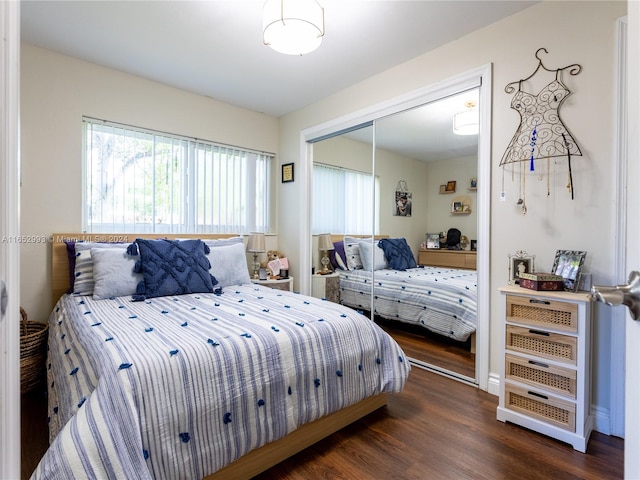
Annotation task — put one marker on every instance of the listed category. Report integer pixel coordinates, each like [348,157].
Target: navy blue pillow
[171,267]
[397,253]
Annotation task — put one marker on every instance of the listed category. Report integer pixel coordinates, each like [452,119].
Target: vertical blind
[344,201]
[138,180]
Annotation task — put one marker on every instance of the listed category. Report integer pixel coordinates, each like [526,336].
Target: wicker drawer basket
[33,352]
[541,375]
[561,413]
[554,346]
[552,314]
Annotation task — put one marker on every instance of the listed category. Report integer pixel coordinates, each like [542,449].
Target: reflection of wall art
[402,206]
[451,186]
[519,263]
[568,264]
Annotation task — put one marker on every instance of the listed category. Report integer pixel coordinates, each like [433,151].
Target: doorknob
[628,295]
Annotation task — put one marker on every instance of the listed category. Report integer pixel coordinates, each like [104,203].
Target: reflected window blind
[138,180]
[344,201]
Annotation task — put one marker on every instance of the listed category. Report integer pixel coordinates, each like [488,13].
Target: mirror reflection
[424,178]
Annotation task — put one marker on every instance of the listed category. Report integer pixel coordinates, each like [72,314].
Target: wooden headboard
[60,263]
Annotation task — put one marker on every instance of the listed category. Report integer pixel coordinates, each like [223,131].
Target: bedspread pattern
[443,300]
[178,387]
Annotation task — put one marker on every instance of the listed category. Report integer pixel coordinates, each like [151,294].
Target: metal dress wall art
[541,134]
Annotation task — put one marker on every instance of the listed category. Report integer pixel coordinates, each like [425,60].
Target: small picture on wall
[443,189]
[402,206]
[451,186]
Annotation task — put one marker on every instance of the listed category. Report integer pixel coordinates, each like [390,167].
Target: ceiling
[215,48]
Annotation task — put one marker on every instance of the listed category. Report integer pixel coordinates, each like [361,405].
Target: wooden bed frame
[261,458]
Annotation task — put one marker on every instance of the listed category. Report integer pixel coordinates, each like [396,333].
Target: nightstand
[326,286]
[282,284]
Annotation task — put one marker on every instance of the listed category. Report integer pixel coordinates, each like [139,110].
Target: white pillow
[228,263]
[352,252]
[83,274]
[113,273]
[379,261]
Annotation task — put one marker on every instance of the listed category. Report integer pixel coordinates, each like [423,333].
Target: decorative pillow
[398,253]
[83,270]
[71,257]
[379,262]
[337,256]
[113,273]
[229,264]
[352,251]
[223,242]
[171,267]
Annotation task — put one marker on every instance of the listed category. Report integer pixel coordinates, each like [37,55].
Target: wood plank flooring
[437,428]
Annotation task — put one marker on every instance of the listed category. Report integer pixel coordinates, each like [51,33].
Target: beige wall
[572,32]
[56,91]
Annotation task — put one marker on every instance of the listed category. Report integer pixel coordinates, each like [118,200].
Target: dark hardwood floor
[437,428]
[428,347]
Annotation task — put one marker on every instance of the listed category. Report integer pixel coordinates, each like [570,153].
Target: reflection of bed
[182,386]
[442,300]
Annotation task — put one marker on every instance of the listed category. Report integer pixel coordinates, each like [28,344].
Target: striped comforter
[178,387]
[440,299]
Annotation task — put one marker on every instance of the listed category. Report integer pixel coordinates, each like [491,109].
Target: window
[344,201]
[138,180]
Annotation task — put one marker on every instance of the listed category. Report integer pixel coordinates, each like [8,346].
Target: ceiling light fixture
[293,27]
[467,121]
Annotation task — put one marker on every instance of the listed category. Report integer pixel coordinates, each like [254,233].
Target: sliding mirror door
[417,152]
[344,205]
[427,180]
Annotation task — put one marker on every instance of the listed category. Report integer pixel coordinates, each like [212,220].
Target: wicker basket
[33,352]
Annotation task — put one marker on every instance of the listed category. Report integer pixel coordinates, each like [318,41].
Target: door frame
[9,247]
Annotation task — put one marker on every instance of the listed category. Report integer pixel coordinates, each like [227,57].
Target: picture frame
[433,240]
[443,189]
[473,184]
[457,207]
[568,264]
[451,186]
[519,263]
[287,172]
[402,204]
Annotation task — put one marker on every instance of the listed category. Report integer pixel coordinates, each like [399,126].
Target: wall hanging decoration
[541,134]
[402,200]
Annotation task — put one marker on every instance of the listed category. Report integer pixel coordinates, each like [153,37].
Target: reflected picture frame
[520,262]
[433,240]
[568,264]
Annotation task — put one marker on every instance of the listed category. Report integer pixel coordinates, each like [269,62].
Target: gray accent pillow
[379,262]
[113,273]
[228,262]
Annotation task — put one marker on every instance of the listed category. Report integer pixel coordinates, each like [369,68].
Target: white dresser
[546,374]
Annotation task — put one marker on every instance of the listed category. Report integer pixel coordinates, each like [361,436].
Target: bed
[220,384]
[440,299]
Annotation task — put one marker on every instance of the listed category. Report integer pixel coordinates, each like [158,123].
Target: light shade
[325,242]
[467,121]
[293,27]
[255,244]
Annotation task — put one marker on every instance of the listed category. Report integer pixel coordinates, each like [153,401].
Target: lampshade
[293,27]
[325,242]
[255,244]
[467,121]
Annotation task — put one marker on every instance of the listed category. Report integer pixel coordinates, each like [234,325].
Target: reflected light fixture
[324,245]
[255,245]
[293,27]
[467,122]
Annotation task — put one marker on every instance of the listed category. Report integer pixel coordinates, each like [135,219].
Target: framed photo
[457,207]
[519,263]
[568,264]
[287,172]
[451,186]
[443,189]
[402,204]
[473,184]
[433,240]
